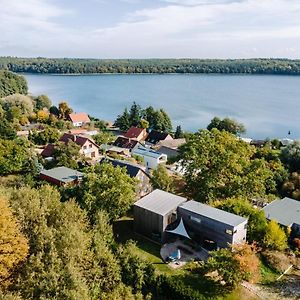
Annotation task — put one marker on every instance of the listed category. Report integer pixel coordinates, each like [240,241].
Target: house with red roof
[79,119]
[88,147]
[139,134]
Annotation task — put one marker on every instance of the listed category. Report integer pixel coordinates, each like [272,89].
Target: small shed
[154,212]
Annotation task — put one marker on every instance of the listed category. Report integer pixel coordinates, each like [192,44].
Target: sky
[150,28]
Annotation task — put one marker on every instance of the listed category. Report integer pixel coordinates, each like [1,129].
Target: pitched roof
[285,211]
[213,213]
[124,142]
[134,132]
[78,139]
[155,136]
[160,202]
[173,144]
[48,151]
[79,117]
[62,174]
[131,169]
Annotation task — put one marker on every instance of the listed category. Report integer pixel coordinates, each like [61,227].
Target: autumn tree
[107,188]
[42,116]
[275,237]
[64,110]
[13,244]
[219,166]
[161,179]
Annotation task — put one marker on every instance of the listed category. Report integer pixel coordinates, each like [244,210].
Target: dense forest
[159,66]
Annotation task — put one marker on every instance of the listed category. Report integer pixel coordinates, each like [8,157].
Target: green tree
[13,244]
[48,135]
[161,179]
[42,102]
[162,121]
[54,111]
[123,121]
[275,238]
[104,137]
[228,125]
[15,156]
[107,188]
[178,133]
[219,166]
[6,130]
[67,154]
[143,124]
[257,222]
[11,83]
[290,155]
[18,104]
[135,114]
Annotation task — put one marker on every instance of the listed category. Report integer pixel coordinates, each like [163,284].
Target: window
[228,231]
[91,146]
[197,220]
[245,227]
[84,147]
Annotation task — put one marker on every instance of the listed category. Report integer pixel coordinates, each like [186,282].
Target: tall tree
[275,237]
[135,114]
[64,109]
[11,83]
[123,121]
[42,101]
[178,132]
[218,165]
[161,179]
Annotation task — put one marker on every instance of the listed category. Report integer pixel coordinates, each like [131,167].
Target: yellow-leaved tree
[13,244]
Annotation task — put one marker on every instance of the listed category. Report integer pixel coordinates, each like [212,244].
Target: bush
[276,260]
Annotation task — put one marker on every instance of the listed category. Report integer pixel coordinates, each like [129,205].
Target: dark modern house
[209,225]
[161,215]
[61,176]
[154,212]
[286,212]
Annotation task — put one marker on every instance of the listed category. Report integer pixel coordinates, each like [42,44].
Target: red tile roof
[134,132]
[79,117]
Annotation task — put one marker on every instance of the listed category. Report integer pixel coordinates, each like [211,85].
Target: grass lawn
[150,251]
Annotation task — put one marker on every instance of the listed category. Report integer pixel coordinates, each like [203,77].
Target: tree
[291,186]
[257,222]
[275,238]
[227,124]
[15,156]
[104,137]
[178,132]
[162,121]
[219,166]
[6,130]
[161,179]
[135,114]
[54,111]
[107,188]
[123,121]
[42,116]
[42,102]
[13,244]
[11,83]
[22,103]
[144,124]
[64,110]
[49,135]
[67,154]
[290,155]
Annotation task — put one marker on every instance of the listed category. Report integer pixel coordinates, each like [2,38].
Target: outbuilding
[154,212]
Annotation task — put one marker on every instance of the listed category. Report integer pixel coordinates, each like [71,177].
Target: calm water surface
[269,106]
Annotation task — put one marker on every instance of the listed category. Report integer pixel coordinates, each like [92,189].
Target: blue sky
[148,29]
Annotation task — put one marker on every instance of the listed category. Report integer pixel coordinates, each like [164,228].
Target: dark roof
[160,202]
[285,211]
[132,170]
[155,136]
[134,132]
[124,142]
[213,213]
[48,151]
[62,174]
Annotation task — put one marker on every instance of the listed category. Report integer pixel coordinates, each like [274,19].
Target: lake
[269,106]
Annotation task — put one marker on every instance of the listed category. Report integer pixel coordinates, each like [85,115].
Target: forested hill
[87,66]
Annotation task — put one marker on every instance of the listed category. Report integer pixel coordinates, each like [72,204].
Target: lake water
[269,106]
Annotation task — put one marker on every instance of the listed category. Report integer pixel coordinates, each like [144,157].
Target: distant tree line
[159,66]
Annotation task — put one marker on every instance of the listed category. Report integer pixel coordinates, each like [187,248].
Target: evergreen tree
[178,132]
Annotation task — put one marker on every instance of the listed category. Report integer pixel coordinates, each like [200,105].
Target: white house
[79,119]
[151,157]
